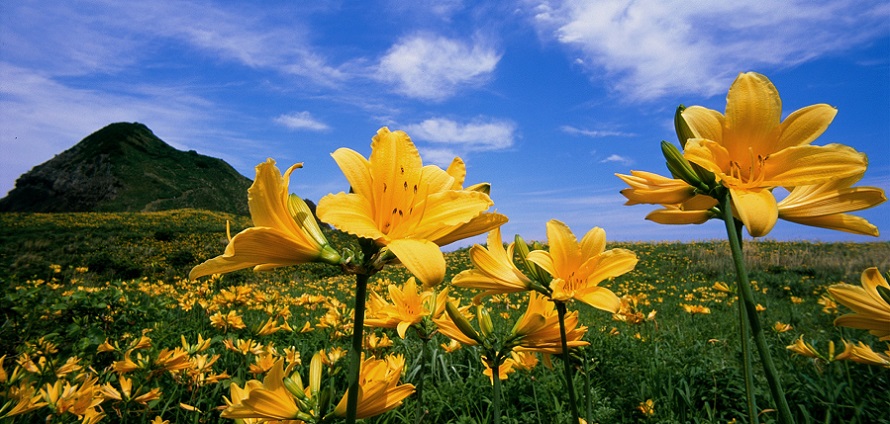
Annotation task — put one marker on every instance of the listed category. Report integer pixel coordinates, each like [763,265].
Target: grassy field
[72,283]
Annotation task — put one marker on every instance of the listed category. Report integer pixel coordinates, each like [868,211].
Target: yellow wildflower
[871,311]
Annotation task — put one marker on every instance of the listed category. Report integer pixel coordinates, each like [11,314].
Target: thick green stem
[747,297]
[747,366]
[418,414]
[355,354]
[496,391]
[570,384]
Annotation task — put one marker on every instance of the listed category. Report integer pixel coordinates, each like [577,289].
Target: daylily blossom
[494,270]
[826,205]
[408,307]
[404,206]
[285,232]
[379,388]
[646,187]
[270,400]
[538,328]
[578,268]
[871,311]
[750,151]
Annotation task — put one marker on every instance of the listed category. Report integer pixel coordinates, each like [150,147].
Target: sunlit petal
[757,210]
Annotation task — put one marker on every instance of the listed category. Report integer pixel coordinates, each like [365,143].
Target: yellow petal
[396,170]
[678,217]
[357,170]
[480,224]
[256,246]
[609,264]
[805,125]
[443,209]
[757,209]
[564,250]
[458,170]
[543,259]
[600,298]
[708,154]
[704,123]
[593,243]
[350,213]
[832,202]
[806,165]
[423,259]
[753,114]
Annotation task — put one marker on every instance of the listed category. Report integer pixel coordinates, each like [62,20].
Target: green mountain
[124,167]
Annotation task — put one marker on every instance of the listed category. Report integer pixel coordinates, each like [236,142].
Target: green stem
[496,389]
[355,354]
[418,415]
[747,366]
[747,296]
[570,384]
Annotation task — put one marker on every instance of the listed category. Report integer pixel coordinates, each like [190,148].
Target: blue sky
[545,100]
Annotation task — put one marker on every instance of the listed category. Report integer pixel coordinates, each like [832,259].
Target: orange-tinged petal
[757,210]
[704,123]
[804,125]
[708,154]
[564,249]
[840,222]
[753,113]
[423,259]
[442,209]
[593,243]
[679,217]
[480,224]
[396,169]
[609,264]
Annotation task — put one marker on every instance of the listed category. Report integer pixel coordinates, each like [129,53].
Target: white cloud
[594,133]
[477,135]
[618,159]
[301,121]
[434,68]
[649,49]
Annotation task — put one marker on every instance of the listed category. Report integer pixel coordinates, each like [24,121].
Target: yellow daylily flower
[379,390]
[870,311]
[285,232]
[407,308]
[750,151]
[826,205]
[269,401]
[864,354]
[578,268]
[696,210]
[649,188]
[494,270]
[538,327]
[409,208]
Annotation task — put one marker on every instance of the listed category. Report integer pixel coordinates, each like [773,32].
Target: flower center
[752,175]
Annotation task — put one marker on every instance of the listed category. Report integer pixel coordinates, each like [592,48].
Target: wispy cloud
[594,133]
[649,49]
[301,121]
[450,138]
[431,67]
[618,159]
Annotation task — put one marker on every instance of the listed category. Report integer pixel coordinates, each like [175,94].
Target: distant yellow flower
[504,370]
[696,309]
[578,268]
[285,232]
[647,407]
[782,327]
[494,270]
[408,208]
[225,322]
[870,311]
[379,389]
[27,401]
[864,354]
[826,205]
[803,348]
[750,151]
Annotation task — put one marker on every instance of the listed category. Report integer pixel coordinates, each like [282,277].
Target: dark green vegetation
[124,167]
[688,365]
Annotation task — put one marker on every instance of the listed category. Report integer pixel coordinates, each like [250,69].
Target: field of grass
[82,294]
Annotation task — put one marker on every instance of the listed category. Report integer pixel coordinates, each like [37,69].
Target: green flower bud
[461,323]
[683,131]
[485,324]
[679,166]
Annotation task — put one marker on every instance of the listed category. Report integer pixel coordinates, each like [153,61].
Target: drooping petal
[609,264]
[708,154]
[757,209]
[543,259]
[805,125]
[831,202]
[481,224]
[840,222]
[423,259]
[679,217]
[753,114]
[256,246]
[705,123]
